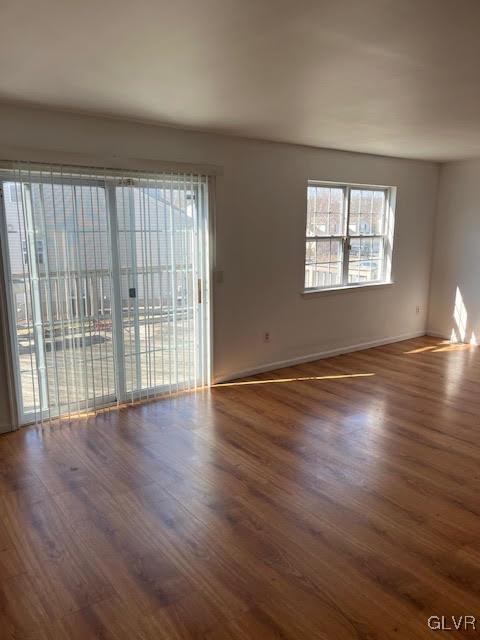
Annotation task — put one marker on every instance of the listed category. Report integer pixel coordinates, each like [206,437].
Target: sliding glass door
[106,279]
[162,265]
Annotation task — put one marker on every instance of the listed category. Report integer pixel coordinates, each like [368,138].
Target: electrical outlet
[417,310]
[266,336]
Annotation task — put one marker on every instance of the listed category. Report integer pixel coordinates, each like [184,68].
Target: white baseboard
[437,334]
[280,364]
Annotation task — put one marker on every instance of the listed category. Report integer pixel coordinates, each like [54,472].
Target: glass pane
[354,249]
[377,248]
[328,250]
[323,263]
[367,212]
[323,275]
[364,270]
[335,224]
[365,248]
[325,211]
[157,255]
[61,284]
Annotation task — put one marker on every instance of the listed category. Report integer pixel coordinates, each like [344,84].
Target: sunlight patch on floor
[300,379]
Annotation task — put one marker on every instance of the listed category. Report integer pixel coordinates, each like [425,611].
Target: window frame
[387,237]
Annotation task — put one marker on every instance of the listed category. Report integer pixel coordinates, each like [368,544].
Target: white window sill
[334,290]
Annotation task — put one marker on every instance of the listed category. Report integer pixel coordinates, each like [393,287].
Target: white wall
[261,202]
[456,261]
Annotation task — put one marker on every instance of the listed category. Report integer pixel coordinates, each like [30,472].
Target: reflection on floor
[342,506]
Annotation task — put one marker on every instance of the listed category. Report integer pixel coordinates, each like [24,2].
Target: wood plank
[312,502]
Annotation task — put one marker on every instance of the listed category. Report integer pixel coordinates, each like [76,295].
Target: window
[349,235]
[39,251]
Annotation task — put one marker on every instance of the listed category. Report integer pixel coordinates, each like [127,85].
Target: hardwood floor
[332,500]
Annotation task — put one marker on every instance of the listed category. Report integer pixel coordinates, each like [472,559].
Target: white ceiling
[396,77]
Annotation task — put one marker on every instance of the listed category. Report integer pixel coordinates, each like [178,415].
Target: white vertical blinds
[104,273]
